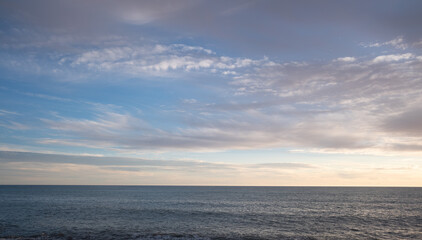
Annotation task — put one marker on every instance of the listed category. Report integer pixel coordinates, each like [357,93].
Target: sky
[274,93]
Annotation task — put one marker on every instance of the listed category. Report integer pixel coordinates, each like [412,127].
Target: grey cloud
[275,20]
[66,28]
[408,123]
[8,156]
[403,147]
[314,137]
[136,164]
[87,16]
[278,27]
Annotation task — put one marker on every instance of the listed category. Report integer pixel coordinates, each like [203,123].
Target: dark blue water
[158,212]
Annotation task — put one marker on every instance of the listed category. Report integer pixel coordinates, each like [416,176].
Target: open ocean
[161,212]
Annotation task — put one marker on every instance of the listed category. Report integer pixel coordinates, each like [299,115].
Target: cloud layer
[41,168]
[338,105]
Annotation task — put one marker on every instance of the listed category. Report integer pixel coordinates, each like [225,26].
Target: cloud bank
[41,168]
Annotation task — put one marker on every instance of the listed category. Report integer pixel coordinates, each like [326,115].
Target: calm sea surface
[158,212]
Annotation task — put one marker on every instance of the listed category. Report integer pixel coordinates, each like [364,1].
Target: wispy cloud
[4,112]
[14,125]
[160,59]
[397,42]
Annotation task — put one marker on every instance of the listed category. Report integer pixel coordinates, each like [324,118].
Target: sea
[197,212]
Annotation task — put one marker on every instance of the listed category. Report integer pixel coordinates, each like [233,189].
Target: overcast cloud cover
[211,92]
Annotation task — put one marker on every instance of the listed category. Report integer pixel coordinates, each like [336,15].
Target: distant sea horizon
[186,185]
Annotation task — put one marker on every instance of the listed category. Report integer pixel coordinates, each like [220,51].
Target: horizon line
[186,185]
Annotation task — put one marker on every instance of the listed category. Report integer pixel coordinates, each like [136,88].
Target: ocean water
[161,212]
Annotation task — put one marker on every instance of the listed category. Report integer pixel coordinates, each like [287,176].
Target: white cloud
[229,73]
[346,59]
[393,57]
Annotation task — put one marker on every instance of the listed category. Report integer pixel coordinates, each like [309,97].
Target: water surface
[160,212]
